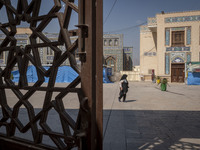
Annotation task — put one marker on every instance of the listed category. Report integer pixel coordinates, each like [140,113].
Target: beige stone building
[46,53]
[167,42]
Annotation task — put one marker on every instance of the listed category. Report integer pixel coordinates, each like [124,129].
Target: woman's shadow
[130,101]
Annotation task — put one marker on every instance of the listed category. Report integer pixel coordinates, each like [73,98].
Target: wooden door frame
[183,64]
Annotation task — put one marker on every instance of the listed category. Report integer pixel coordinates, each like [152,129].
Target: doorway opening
[177,72]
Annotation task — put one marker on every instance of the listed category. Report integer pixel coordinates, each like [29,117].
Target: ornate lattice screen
[74,130]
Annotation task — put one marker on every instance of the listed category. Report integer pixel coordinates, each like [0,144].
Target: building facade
[22,39]
[167,42]
[113,51]
[46,53]
[112,44]
[127,58]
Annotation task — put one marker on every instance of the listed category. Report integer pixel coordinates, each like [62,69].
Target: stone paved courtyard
[150,119]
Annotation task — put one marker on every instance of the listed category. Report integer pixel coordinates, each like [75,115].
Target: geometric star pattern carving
[28,11]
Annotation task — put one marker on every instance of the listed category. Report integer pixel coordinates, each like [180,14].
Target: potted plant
[158,79]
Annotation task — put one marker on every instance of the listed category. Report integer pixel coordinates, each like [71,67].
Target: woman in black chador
[123,88]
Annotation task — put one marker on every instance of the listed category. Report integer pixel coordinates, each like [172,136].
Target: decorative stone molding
[177,48]
[182,19]
[152,21]
[167,63]
[188,37]
[167,36]
[177,54]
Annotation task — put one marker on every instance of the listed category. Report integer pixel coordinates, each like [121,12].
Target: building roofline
[175,12]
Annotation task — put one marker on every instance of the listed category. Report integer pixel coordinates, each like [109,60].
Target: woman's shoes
[119,99]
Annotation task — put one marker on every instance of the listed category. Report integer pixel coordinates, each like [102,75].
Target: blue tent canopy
[105,76]
[65,74]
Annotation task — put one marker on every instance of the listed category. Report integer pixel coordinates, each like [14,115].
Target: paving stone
[150,119]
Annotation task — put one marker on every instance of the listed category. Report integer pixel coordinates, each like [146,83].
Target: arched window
[110,43]
[116,42]
[105,43]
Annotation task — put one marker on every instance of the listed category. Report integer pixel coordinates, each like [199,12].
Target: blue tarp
[193,78]
[105,76]
[65,74]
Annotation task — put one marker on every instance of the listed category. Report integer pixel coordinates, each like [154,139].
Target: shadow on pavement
[136,129]
[170,91]
[175,93]
[152,130]
[127,101]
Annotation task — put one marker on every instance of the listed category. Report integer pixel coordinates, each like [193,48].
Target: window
[49,63]
[1,55]
[76,53]
[178,38]
[49,51]
[116,42]
[150,71]
[110,43]
[105,42]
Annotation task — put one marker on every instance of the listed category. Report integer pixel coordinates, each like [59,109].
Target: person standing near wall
[153,76]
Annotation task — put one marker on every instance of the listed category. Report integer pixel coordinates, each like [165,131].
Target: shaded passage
[155,130]
[137,129]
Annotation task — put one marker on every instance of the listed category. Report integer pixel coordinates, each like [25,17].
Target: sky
[121,17]
[126,15]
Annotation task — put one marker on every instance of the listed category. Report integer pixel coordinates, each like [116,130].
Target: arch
[111,62]
[110,42]
[116,42]
[178,59]
[105,42]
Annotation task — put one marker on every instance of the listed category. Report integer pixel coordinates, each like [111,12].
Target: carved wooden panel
[28,11]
